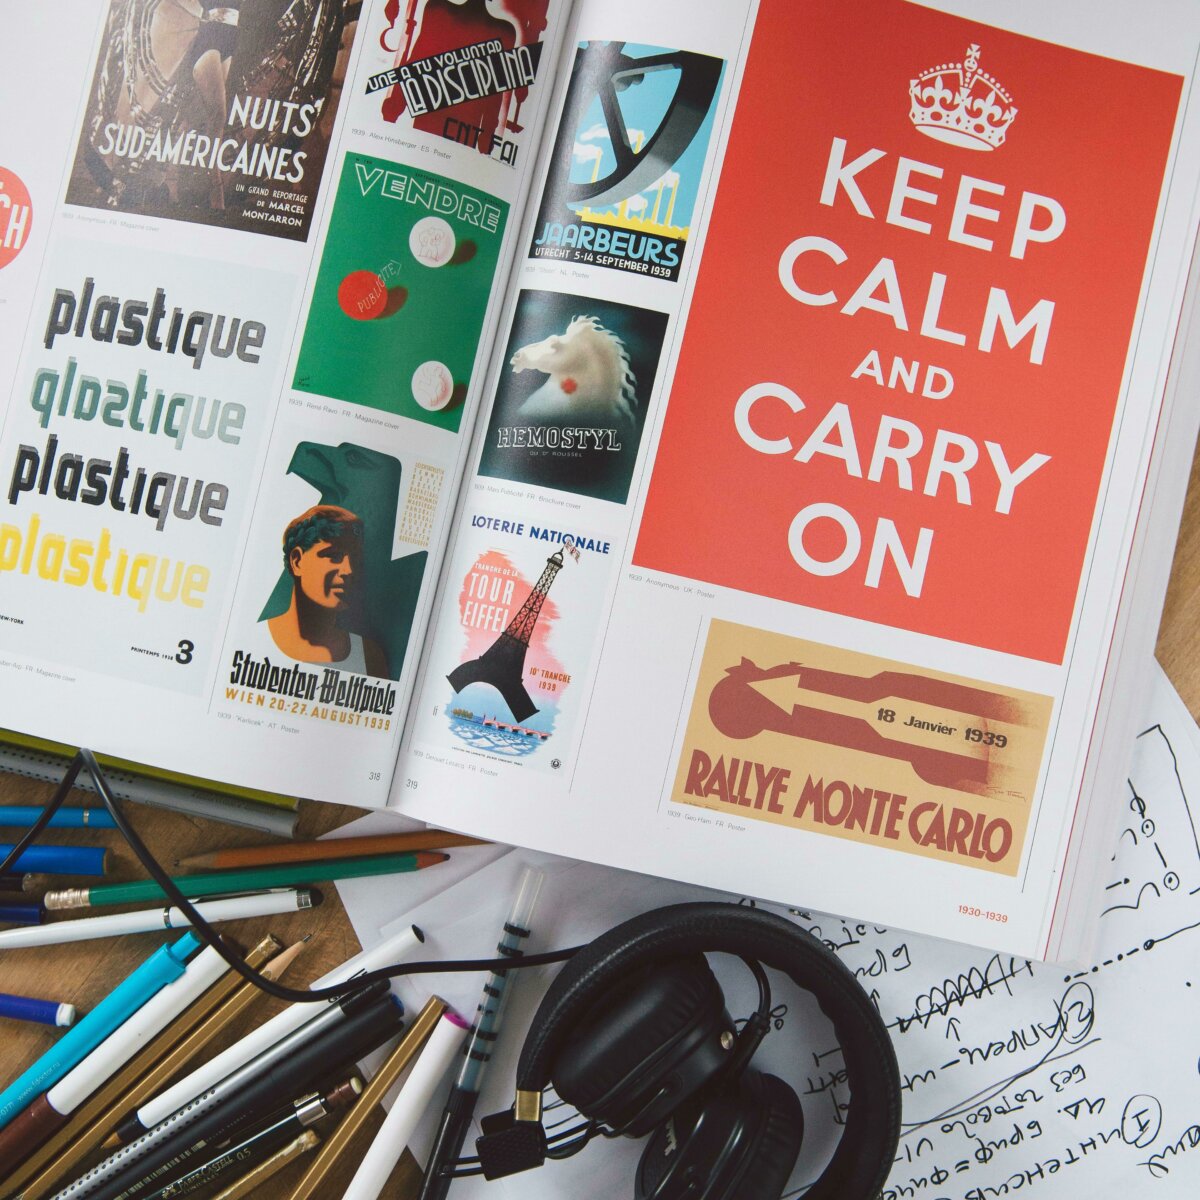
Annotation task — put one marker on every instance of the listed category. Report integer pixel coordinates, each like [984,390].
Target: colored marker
[165,964]
[57,860]
[65,818]
[44,1012]
[22,914]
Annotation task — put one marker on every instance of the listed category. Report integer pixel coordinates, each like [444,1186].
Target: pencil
[351,847]
[258,879]
[199,1025]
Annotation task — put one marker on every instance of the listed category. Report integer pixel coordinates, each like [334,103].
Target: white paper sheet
[1018,1077]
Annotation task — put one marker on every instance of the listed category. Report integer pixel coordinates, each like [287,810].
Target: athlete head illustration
[323,554]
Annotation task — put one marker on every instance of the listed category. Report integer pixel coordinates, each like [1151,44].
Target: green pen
[256,879]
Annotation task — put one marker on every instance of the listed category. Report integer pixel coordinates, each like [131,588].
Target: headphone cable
[86,760]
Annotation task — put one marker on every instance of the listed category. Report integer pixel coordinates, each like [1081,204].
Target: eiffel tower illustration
[502,664]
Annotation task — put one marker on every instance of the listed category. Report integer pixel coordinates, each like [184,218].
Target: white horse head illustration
[590,380]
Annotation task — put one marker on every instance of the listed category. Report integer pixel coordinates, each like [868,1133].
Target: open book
[732,441]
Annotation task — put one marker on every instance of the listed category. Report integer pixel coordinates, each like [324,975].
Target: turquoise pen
[164,965]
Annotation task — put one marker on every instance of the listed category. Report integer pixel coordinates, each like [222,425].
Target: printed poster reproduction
[321,630]
[895,382]
[134,431]
[16,215]
[217,115]
[852,746]
[343,596]
[628,158]
[461,70]
[528,607]
[572,401]
[401,291]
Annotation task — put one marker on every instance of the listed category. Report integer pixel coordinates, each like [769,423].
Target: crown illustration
[959,104]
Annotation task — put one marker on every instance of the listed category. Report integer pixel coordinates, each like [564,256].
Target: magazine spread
[243,328]
[706,439]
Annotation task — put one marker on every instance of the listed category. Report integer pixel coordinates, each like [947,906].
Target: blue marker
[165,964]
[22,914]
[57,860]
[65,818]
[44,1012]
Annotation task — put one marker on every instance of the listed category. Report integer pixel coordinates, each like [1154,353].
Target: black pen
[258,1141]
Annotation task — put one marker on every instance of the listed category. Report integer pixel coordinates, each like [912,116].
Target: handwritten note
[1018,1078]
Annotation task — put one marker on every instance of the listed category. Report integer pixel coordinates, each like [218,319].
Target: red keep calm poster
[904,354]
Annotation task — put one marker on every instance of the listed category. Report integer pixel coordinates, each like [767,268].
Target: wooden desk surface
[85,972]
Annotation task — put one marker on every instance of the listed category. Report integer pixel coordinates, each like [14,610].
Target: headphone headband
[865,1152]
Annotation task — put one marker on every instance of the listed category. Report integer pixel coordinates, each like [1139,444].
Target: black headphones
[634,1034]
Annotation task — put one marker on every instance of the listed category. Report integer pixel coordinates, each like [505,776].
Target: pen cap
[529,887]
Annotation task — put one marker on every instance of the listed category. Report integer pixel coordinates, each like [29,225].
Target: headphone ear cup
[738,1143]
[645,1045]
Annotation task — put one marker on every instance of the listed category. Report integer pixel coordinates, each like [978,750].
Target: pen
[410,1106]
[44,1012]
[390,950]
[22,914]
[351,847]
[65,818]
[144,1075]
[165,964]
[259,1175]
[313,1182]
[225,883]
[362,1022]
[29,1129]
[150,920]
[57,860]
[255,1143]
[477,1052]
[263,1065]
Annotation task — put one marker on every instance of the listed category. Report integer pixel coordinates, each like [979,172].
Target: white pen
[416,1099]
[393,949]
[261,904]
[124,1042]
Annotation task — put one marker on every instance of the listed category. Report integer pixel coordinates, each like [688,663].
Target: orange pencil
[352,847]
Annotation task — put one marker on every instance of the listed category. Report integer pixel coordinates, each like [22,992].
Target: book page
[819,430]
[1051,1081]
[251,260]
